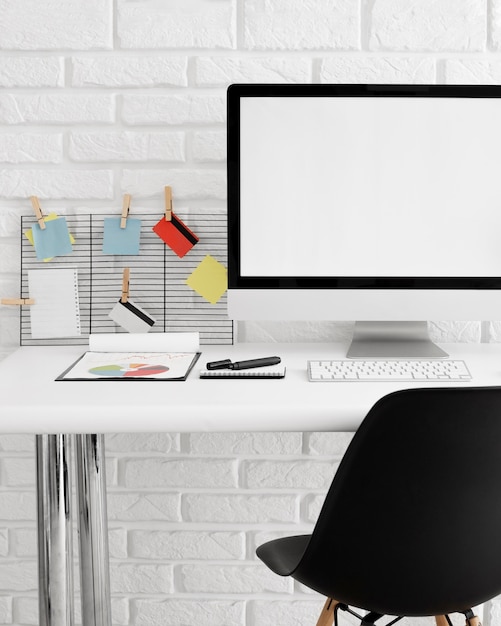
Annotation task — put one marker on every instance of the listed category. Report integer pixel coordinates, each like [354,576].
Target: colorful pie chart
[136,370]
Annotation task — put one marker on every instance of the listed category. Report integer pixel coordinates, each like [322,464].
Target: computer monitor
[374,203]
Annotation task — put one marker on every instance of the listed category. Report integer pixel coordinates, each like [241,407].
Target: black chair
[411,525]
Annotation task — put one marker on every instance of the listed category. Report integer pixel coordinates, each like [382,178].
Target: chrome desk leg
[93,530]
[55,554]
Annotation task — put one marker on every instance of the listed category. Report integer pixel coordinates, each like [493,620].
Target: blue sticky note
[54,240]
[118,240]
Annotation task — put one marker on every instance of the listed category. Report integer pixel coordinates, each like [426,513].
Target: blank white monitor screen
[364,202]
[361,186]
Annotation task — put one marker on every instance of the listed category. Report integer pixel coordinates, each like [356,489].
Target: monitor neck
[393,340]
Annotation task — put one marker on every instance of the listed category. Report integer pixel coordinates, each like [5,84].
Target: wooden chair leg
[327,615]
[441,620]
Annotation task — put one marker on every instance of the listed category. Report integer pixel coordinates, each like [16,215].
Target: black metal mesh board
[157,278]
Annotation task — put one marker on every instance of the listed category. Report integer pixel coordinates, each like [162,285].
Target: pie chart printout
[136,370]
[140,366]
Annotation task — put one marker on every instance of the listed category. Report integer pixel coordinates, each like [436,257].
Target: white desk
[34,403]
[31,401]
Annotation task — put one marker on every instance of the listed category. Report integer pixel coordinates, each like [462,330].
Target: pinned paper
[119,240]
[131,317]
[52,241]
[209,279]
[172,230]
[127,314]
[176,235]
[47,218]
[56,311]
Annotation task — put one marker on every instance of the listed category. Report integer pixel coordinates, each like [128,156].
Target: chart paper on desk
[128,357]
[131,366]
[56,311]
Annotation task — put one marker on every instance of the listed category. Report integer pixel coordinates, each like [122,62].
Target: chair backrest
[412,522]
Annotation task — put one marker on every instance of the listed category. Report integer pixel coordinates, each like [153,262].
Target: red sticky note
[176,235]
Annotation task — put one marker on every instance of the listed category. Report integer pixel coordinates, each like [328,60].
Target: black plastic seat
[411,525]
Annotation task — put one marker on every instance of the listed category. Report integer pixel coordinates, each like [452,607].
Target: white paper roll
[153,342]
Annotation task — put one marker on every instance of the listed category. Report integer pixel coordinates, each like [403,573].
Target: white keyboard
[376,370]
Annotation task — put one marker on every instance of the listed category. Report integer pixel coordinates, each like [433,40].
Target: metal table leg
[55,553]
[55,559]
[93,530]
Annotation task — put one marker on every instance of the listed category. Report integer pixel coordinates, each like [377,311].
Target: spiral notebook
[274,371]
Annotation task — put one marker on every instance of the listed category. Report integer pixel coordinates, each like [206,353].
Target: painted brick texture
[104,97]
[186,513]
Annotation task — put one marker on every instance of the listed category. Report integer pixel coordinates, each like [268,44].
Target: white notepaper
[56,312]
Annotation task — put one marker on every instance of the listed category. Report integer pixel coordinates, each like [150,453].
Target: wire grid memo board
[157,278]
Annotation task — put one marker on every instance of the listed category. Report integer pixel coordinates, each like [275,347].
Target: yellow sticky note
[209,279]
[47,218]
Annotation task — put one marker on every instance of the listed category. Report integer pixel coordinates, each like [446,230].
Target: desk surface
[31,401]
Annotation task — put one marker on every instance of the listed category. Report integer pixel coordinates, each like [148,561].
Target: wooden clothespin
[125,210]
[168,204]
[17,301]
[38,211]
[125,285]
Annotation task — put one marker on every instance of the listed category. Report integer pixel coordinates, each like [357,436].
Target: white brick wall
[103,97]
[186,513]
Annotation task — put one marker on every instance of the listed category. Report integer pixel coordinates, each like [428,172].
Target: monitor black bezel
[237,91]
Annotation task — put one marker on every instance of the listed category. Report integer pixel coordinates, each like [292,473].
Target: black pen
[242,365]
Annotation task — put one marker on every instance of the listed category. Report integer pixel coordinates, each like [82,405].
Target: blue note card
[118,240]
[54,240]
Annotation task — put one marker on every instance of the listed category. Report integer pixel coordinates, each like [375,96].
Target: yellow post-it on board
[209,279]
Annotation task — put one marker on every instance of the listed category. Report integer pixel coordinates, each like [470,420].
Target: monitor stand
[393,340]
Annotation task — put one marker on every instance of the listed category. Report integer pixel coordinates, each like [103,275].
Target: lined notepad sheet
[56,312]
